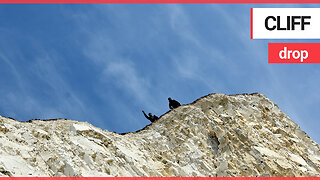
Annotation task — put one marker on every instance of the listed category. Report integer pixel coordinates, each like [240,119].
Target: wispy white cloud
[117,69]
[126,77]
[46,69]
[57,98]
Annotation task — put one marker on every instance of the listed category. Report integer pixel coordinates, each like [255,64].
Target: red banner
[159,178]
[152,1]
[294,52]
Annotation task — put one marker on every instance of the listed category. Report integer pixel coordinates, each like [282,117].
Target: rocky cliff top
[217,135]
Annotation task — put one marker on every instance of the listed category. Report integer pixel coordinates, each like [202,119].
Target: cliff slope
[217,135]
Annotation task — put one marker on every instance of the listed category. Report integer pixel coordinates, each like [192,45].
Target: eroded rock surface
[217,135]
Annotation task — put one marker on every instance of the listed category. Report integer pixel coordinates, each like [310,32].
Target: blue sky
[105,63]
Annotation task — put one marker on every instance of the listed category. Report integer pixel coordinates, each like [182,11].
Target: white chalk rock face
[217,135]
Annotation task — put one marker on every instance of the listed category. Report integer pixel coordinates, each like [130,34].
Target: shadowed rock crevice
[213,142]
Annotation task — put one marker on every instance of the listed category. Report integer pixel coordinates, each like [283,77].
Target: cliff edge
[217,135]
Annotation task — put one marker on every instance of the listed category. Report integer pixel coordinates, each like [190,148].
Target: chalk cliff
[217,135]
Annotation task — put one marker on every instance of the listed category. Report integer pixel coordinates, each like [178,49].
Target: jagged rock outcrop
[217,135]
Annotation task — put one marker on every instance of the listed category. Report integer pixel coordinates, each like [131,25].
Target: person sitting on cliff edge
[173,103]
[151,117]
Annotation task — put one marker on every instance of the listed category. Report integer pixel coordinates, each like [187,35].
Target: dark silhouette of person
[151,117]
[173,103]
